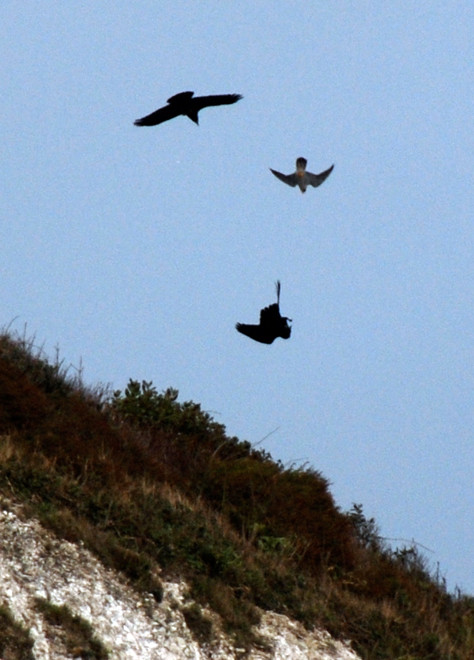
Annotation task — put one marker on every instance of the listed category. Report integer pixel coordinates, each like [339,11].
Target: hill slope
[74,607]
[156,490]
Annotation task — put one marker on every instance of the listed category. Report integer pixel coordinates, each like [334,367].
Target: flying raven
[185,104]
[272,324]
[301,177]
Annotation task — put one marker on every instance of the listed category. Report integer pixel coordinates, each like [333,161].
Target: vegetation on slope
[154,487]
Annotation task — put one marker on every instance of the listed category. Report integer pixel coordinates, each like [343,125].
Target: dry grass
[75,634]
[15,642]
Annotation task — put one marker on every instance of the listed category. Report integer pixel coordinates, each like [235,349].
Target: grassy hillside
[154,486]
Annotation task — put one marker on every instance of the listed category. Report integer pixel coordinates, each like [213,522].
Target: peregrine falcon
[272,324]
[301,177]
[184,104]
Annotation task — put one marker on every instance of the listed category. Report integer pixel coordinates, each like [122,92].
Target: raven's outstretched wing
[270,316]
[200,102]
[290,179]
[316,179]
[159,116]
[256,332]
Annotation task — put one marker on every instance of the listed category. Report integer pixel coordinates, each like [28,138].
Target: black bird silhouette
[301,177]
[186,104]
[272,324]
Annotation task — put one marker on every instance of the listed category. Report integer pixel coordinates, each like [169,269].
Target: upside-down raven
[301,177]
[272,324]
[186,104]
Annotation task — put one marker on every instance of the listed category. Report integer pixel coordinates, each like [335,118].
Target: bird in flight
[272,324]
[185,103]
[301,177]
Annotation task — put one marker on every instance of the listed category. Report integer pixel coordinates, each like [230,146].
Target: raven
[272,324]
[301,177]
[184,104]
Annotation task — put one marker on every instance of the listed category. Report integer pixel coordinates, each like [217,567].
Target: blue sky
[136,250]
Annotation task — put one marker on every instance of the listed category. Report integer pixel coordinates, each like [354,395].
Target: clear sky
[136,250]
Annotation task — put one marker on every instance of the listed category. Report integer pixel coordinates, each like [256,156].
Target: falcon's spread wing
[290,179]
[316,180]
